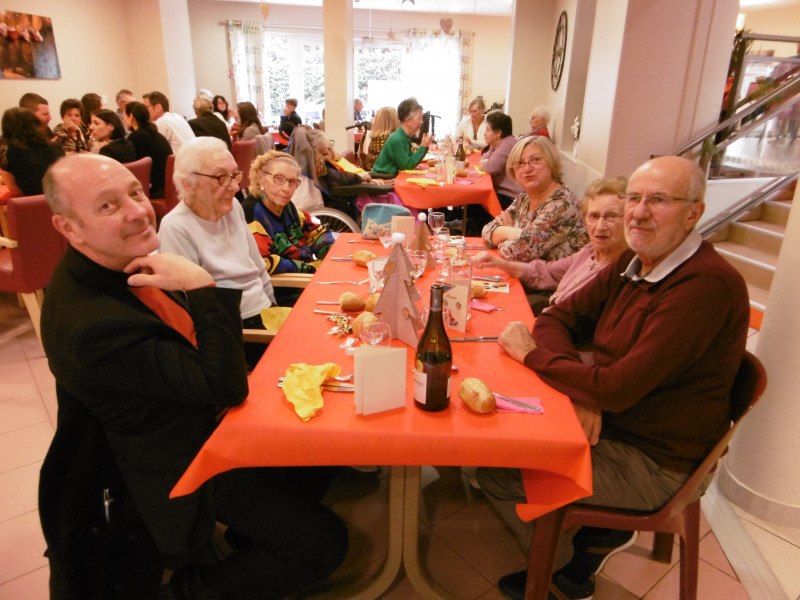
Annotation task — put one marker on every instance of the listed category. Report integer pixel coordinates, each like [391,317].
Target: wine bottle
[434,359]
[461,155]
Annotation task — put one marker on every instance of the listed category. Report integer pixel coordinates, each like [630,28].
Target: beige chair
[293,280]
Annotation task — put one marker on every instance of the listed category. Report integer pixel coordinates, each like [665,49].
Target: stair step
[776,211]
[758,234]
[758,296]
[756,266]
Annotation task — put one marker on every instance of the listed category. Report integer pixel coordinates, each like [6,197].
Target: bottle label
[420,385]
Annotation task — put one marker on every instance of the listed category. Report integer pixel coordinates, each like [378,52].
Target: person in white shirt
[171,125]
[473,126]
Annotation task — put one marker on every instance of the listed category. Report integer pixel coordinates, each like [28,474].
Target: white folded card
[379,378]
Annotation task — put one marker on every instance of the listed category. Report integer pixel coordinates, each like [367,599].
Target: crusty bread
[478,291]
[372,301]
[351,302]
[476,395]
[361,320]
[362,257]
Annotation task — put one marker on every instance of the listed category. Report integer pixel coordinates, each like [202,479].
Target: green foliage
[277,67]
[313,74]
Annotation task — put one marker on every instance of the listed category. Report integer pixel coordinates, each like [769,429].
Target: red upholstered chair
[680,516]
[141,169]
[170,200]
[351,157]
[244,153]
[30,253]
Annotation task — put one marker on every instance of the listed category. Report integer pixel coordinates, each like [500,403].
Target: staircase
[752,245]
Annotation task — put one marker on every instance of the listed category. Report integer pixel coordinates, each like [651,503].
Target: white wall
[774,21]
[93,52]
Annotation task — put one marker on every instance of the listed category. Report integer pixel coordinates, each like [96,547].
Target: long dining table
[265,431]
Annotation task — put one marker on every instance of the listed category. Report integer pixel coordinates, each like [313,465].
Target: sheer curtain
[465,46]
[245,39]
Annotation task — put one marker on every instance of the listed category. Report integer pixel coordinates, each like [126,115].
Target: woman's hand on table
[517,340]
[591,420]
[486,260]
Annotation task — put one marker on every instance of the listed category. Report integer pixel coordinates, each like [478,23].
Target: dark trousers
[295,539]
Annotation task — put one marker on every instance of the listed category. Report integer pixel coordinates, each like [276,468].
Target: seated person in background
[384,125]
[290,112]
[154,379]
[285,130]
[28,152]
[208,227]
[397,155]
[123,97]
[91,102]
[668,337]
[358,106]
[72,134]
[109,136]
[540,117]
[39,106]
[147,141]
[602,210]
[288,238]
[171,125]
[545,220]
[249,123]
[500,142]
[472,127]
[206,124]
[222,111]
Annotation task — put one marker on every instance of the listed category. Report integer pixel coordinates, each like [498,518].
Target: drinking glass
[419,260]
[435,221]
[376,334]
[385,236]
[378,263]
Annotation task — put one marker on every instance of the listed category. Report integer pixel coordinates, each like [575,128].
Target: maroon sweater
[665,354]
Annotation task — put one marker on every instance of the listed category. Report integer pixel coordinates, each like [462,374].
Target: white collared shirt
[677,257]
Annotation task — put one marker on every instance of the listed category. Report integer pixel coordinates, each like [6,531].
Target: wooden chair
[351,157]
[170,200]
[29,255]
[141,169]
[681,515]
[244,153]
[294,280]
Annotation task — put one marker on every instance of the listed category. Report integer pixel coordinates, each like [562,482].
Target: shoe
[513,585]
[369,469]
[600,544]
[564,588]
[474,483]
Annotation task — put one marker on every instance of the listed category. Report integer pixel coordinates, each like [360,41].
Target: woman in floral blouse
[545,220]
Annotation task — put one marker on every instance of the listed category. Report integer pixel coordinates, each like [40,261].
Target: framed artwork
[27,47]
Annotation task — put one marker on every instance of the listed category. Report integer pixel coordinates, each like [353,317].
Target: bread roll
[431,162]
[476,395]
[478,291]
[362,257]
[372,301]
[361,320]
[461,173]
[351,302]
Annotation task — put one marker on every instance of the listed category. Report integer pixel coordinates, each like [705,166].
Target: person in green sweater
[396,154]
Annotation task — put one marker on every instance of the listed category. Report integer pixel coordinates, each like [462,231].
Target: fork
[345,377]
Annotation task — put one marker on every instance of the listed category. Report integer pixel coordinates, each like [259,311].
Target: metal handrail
[745,204]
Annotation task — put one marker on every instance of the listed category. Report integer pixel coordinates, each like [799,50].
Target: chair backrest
[350,155]
[264,144]
[171,198]
[748,387]
[243,154]
[141,170]
[40,246]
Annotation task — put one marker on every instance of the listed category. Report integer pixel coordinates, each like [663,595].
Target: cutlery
[530,407]
[347,282]
[333,387]
[327,302]
[327,312]
[480,338]
[494,278]
[343,258]
[361,240]
[346,377]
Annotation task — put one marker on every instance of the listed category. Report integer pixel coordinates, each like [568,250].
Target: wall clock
[559,51]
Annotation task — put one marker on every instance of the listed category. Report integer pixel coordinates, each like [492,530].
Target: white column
[761,473]
[337,19]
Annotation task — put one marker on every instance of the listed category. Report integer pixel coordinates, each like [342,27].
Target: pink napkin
[505,406]
[482,306]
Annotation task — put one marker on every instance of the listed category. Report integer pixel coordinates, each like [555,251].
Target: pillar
[337,19]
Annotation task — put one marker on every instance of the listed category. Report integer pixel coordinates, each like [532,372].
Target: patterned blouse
[375,146]
[81,143]
[553,230]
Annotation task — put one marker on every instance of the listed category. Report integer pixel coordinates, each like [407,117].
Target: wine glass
[385,236]
[376,334]
[440,241]
[435,221]
[378,264]
[419,260]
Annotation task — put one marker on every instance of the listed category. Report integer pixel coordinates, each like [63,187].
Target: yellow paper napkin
[414,171]
[422,181]
[302,386]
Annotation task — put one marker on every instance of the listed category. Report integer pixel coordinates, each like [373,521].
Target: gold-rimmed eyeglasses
[224,179]
[280,180]
[535,161]
[653,201]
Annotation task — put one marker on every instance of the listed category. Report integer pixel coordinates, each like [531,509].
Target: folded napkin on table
[414,171]
[423,181]
[506,406]
[302,386]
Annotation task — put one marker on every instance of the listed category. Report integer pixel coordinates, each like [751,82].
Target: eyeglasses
[535,161]
[610,217]
[279,180]
[225,179]
[653,201]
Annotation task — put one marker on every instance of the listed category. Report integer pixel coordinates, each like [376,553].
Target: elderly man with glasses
[668,322]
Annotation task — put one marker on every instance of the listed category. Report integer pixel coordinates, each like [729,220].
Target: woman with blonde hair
[384,125]
[473,126]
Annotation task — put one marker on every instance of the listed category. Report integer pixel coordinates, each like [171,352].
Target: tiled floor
[466,546]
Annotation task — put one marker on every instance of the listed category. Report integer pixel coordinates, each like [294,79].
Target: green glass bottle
[434,359]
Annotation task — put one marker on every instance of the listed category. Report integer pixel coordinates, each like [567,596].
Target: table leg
[415,571]
[394,556]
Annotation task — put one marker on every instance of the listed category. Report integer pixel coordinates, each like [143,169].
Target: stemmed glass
[385,236]
[418,260]
[376,334]
[435,221]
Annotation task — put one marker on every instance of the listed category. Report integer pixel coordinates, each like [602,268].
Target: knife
[332,387]
[327,312]
[343,258]
[480,338]
[494,278]
[519,403]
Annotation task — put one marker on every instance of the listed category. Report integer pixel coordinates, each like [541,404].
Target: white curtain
[246,40]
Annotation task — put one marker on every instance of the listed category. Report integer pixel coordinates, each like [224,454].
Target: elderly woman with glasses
[603,210]
[545,220]
[288,239]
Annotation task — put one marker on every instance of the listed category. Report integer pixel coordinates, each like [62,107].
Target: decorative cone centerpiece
[397,303]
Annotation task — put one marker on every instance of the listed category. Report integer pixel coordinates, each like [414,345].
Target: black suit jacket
[154,395]
[211,125]
[149,142]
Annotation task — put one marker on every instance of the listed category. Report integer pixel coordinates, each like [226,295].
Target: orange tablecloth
[265,431]
[464,190]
